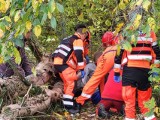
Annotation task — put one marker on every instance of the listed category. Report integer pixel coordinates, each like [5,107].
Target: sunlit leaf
[108,22]
[1,33]
[34,4]
[53,22]
[17,56]
[37,30]
[137,21]
[118,49]
[60,7]
[146,4]
[139,2]
[49,15]
[7,18]
[52,6]
[28,25]
[81,17]
[33,71]
[122,5]
[1,60]
[152,23]
[17,16]
[127,46]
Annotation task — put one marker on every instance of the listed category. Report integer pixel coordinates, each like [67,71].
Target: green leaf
[52,6]
[53,22]
[19,42]
[60,7]
[17,56]
[127,46]
[1,102]
[44,18]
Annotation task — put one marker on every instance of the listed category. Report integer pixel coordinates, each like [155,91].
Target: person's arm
[78,50]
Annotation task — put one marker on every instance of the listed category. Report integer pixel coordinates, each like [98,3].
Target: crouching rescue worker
[111,98]
[68,61]
[104,64]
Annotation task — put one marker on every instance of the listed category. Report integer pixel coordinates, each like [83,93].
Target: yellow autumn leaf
[137,21]
[33,71]
[28,25]
[139,2]
[2,6]
[126,1]
[49,15]
[37,30]
[146,5]
[26,1]
[133,39]
[7,18]
[40,1]
[151,22]
[81,17]
[122,5]
[17,56]
[119,27]
[34,4]
[17,16]
[7,5]
[1,60]
[1,33]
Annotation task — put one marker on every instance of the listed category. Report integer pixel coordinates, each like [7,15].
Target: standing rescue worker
[135,75]
[68,61]
[104,64]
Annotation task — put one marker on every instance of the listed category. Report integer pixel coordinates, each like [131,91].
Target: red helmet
[109,39]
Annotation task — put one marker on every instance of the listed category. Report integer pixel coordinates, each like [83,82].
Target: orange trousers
[129,96]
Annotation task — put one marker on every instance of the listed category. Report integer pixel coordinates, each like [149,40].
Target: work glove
[82,73]
[87,59]
[154,74]
[117,79]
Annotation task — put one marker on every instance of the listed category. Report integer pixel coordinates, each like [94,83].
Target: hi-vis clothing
[68,59]
[104,64]
[135,73]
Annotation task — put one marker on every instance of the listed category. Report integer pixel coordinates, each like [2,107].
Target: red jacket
[112,90]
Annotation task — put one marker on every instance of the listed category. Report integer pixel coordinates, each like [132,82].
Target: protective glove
[87,59]
[82,73]
[117,79]
[154,74]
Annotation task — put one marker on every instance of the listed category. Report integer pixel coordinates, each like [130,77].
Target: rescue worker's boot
[102,112]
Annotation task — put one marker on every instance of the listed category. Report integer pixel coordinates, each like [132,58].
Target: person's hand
[117,79]
[154,74]
[87,59]
[82,73]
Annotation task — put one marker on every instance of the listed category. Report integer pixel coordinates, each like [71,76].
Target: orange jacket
[71,52]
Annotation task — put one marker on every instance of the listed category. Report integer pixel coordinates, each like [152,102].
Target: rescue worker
[135,72]
[111,98]
[68,61]
[104,65]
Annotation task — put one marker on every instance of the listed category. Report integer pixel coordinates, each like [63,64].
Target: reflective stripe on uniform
[80,63]
[65,47]
[117,65]
[67,103]
[154,43]
[78,48]
[149,118]
[86,95]
[145,39]
[139,57]
[156,61]
[62,52]
[67,96]
[129,119]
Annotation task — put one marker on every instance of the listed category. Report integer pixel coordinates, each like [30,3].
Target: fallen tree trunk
[33,104]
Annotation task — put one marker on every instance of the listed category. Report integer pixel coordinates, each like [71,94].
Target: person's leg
[68,76]
[129,94]
[103,108]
